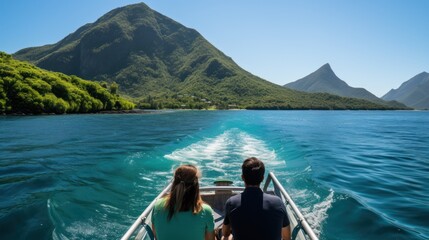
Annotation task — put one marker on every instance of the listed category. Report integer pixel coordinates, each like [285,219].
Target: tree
[114,88]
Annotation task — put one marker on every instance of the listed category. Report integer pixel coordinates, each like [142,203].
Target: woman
[182,214]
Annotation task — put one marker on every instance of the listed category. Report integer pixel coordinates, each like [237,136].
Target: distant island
[157,63]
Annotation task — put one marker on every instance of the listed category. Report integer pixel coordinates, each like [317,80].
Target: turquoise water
[354,174]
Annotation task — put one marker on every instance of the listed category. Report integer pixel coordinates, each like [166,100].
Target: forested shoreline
[27,89]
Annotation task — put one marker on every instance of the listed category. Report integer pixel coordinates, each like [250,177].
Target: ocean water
[354,174]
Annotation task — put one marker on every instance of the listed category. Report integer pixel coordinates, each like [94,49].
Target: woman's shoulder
[206,208]
[160,203]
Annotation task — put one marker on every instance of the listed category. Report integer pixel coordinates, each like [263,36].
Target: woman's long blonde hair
[185,192]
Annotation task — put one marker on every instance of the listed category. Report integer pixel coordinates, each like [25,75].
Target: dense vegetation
[163,64]
[26,89]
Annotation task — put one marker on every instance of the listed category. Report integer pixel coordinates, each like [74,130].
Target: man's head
[253,171]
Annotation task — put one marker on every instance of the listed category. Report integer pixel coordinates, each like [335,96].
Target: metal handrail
[145,213]
[301,219]
[271,178]
[149,208]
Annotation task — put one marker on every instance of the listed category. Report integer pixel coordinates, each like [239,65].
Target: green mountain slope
[413,93]
[25,88]
[324,80]
[164,64]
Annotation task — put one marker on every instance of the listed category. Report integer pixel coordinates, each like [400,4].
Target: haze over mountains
[325,80]
[154,58]
[414,92]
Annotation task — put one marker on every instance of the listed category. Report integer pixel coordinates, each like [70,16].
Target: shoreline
[153,111]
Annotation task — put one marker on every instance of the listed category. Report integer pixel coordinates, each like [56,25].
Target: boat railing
[281,192]
[141,220]
[141,229]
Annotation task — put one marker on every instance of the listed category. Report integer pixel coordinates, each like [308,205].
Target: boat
[216,197]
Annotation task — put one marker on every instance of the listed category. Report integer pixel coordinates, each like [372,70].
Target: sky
[374,44]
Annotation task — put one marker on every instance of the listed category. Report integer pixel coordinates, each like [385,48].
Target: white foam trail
[208,149]
[300,195]
[256,147]
[147,179]
[316,214]
[308,169]
[223,155]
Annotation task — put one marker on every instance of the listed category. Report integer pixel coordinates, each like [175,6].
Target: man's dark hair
[253,171]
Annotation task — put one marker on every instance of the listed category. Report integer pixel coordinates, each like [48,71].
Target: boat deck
[217,202]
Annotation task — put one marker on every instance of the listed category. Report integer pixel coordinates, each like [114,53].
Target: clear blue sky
[375,44]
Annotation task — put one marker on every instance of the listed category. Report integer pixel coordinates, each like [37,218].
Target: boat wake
[316,214]
[313,201]
[222,156]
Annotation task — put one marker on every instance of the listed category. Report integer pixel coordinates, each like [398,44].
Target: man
[254,214]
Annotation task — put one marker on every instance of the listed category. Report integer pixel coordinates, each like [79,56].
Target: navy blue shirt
[255,215]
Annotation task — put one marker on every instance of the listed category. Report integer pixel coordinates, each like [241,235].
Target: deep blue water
[354,174]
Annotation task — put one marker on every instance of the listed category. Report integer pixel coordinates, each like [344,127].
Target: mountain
[325,80]
[413,93]
[163,64]
[27,89]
